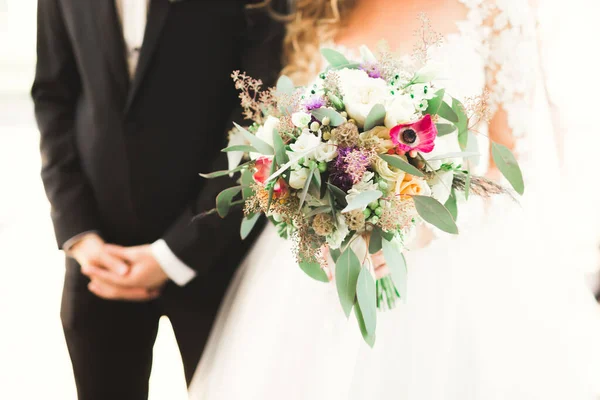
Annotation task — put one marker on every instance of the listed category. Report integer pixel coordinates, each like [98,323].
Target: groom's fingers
[123,253]
[112,263]
[109,291]
[108,276]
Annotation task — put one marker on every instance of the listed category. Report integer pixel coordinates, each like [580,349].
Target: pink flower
[416,137]
[262,173]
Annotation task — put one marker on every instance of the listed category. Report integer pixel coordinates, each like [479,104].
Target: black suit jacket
[123,158]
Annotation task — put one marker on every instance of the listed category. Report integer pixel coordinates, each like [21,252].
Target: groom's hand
[145,273]
[90,251]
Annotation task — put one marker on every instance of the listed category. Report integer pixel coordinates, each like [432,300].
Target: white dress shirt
[133,15]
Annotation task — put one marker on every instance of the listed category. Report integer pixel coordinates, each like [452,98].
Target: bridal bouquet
[351,165]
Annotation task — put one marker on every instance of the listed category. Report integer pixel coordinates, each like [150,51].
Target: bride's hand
[379,264]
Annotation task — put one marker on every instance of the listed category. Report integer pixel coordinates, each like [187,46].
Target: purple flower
[372,69]
[314,102]
[350,166]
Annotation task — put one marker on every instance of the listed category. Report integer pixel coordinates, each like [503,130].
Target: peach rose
[411,185]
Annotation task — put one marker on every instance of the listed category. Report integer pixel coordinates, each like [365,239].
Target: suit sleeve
[55,93]
[198,244]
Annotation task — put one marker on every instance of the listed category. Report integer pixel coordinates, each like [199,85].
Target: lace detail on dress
[505,31]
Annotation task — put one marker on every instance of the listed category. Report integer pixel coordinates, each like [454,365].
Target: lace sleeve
[511,68]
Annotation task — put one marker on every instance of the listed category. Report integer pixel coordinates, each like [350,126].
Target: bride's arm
[511,71]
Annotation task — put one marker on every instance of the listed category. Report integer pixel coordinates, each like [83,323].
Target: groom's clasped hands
[117,272]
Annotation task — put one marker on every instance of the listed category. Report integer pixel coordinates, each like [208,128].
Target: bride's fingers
[381,271]
[377,259]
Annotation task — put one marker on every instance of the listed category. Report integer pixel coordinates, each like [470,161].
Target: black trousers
[110,342]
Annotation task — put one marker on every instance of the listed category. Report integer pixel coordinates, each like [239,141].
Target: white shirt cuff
[175,269]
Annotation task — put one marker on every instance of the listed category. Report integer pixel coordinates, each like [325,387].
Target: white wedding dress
[498,312]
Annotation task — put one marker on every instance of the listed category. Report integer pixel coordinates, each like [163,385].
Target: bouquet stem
[387,294]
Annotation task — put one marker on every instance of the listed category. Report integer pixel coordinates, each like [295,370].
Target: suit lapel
[110,38]
[157,16]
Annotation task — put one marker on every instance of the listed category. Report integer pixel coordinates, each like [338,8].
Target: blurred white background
[34,363]
[33,358]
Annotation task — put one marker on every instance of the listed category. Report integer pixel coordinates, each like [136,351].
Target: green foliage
[399,163]
[507,164]
[362,200]
[375,118]
[375,240]
[263,147]
[225,198]
[367,300]
[248,224]
[218,174]
[462,123]
[334,58]
[445,129]
[314,270]
[397,266]
[347,269]
[335,119]
[435,213]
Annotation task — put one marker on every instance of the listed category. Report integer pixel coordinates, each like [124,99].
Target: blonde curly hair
[311,23]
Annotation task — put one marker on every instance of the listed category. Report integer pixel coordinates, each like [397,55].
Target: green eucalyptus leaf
[451,205]
[338,194]
[467,184]
[218,174]
[461,154]
[318,210]
[314,270]
[350,65]
[248,224]
[263,147]
[247,181]
[462,123]
[347,269]
[335,119]
[367,299]
[285,86]
[335,254]
[397,265]
[272,188]
[447,112]
[435,213]
[375,117]
[362,200]
[334,58]
[244,148]
[369,339]
[305,188]
[375,240]
[445,129]
[434,104]
[507,164]
[280,154]
[225,198]
[399,163]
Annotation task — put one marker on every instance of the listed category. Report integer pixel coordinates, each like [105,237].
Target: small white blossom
[401,110]
[298,178]
[326,152]
[339,234]
[301,119]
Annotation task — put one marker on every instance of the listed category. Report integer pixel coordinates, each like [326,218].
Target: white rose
[307,143]
[265,133]
[339,234]
[361,93]
[301,119]
[326,152]
[441,186]
[400,111]
[298,178]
